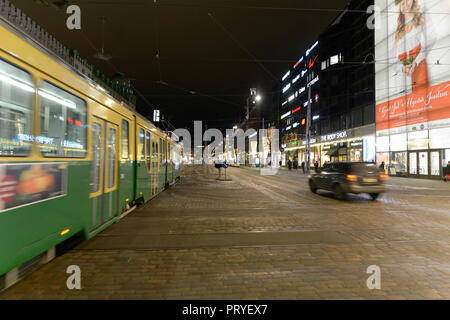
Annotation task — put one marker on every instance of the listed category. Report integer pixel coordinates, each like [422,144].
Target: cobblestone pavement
[262,237]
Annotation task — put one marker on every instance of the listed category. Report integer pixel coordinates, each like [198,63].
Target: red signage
[312,62]
[415,108]
[295,110]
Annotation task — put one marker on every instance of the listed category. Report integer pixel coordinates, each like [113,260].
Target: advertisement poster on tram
[412,55]
[25,184]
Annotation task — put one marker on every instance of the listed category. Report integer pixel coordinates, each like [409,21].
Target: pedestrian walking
[295,164]
[382,167]
[290,164]
[316,166]
[303,167]
[447,172]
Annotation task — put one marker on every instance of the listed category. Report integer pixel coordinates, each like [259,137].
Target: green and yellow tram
[73,160]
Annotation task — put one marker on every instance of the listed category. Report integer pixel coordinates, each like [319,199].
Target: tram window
[153,155]
[147,138]
[63,123]
[142,144]
[16,100]
[160,151]
[96,150]
[112,158]
[125,139]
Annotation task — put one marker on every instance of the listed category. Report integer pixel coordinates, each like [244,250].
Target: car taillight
[383,177]
[352,178]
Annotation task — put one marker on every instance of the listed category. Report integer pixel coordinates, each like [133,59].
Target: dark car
[349,177]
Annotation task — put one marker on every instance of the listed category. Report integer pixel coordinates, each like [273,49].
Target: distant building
[339,68]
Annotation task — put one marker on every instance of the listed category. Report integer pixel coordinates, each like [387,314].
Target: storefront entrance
[425,164]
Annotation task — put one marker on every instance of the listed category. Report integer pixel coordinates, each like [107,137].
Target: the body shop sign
[334,136]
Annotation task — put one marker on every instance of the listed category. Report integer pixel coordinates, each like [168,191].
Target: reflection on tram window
[112,158]
[96,152]
[16,98]
[142,144]
[125,139]
[63,123]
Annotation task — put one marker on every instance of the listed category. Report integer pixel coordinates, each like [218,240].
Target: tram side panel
[44,163]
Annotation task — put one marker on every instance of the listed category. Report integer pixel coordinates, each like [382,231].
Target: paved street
[263,237]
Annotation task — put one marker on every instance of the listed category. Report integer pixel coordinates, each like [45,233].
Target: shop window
[125,139]
[398,142]
[383,144]
[440,138]
[16,100]
[63,123]
[398,163]
[383,157]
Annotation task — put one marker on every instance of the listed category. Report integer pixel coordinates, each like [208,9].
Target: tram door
[104,172]
[155,165]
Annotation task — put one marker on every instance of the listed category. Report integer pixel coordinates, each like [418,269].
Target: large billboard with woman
[412,56]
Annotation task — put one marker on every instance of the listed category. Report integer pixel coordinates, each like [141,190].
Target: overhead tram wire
[192,92]
[156,26]
[216,21]
[263,8]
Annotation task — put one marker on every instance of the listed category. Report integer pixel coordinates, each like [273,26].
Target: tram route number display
[23,184]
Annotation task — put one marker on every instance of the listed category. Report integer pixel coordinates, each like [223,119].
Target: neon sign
[285,115]
[312,48]
[286,75]
[313,81]
[298,62]
[312,62]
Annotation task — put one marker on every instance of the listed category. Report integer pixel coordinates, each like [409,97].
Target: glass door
[423,163]
[435,163]
[413,163]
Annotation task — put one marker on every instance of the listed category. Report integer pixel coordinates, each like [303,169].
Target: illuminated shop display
[412,90]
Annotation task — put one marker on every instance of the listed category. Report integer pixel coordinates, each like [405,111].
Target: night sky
[206,66]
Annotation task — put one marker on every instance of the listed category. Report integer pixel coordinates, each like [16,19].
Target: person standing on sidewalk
[447,172]
[382,166]
[316,166]
[295,164]
[303,167]
[290,164]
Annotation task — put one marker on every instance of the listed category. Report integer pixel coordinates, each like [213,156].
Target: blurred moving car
[349,177]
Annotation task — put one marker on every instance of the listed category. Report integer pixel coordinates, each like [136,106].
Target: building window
[63,123]
[16,100]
